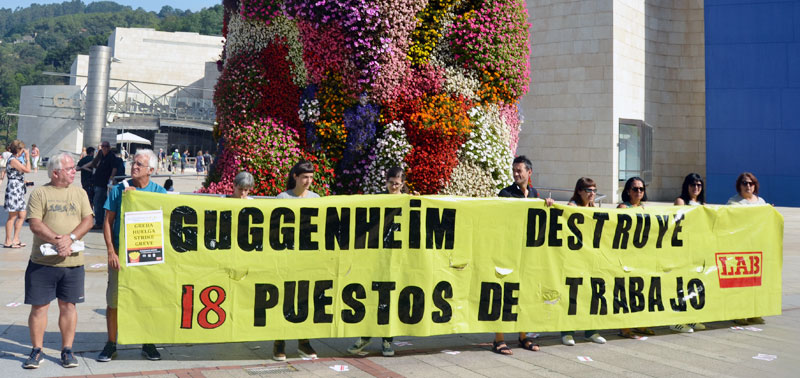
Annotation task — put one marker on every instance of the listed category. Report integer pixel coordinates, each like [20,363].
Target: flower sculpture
[359,86]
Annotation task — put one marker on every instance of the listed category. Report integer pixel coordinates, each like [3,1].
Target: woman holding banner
[301,176]
[242,185]
[747,188]
[634,195]
[583,196]
[692,194]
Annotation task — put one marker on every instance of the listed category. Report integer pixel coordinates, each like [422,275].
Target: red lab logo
[739,269]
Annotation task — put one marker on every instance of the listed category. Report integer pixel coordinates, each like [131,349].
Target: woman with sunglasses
[747,187]
[583,196]
[692,194]
[634,195]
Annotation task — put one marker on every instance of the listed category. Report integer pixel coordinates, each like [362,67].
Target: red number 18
[187,307]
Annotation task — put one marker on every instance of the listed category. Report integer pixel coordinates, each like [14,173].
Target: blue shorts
[44,283]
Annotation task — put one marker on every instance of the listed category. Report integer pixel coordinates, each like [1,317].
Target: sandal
[529,344]
[500,347]
[627,333]
[644,331]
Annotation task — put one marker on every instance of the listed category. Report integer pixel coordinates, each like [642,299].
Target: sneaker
[596,338]
[109,352]
[567,340]
[68,359]
[149,352]
[279,350]
[386,349]
[360,344]
[756,320]
[35,358]
[305,350]
[697,326]
[683,328]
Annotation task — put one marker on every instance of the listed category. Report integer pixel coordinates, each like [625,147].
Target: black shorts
[44,283]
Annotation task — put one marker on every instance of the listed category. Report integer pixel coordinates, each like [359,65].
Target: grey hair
[151,157]
[244,180]
[54,163]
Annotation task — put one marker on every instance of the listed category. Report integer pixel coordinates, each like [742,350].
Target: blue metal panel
[752,23]
[753,97]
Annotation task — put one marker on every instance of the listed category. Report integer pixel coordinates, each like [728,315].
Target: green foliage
[60,32]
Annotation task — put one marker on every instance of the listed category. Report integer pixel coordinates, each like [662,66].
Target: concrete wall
[753,97]
[568,130]
[50,120]
[596,62]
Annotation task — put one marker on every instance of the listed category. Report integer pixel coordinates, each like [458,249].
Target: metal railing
[598,199]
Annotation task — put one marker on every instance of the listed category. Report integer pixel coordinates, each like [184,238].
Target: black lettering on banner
[654,297]
[414,225]
[624,224]
[211,240]
[350,296]
[598,305]
[620,302]
[642,232]
[697,293]
[635,288]
[337,228]
[490,301]
[321,301]
[441,231]
[307,228]
[384,299]
[678,228]
[367,229]
[601,219]
[183,239]
[442,291]
[535,235]
[575,242]
[411,305]
[509,301]
[552,237]
[573,283]
[663,226]
[679,303]
[300,314]
[275,230]
[266,298]
[250,238]
[390,227]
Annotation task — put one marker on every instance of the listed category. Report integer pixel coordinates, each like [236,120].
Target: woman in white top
[583,196]
[747,187]
[693,193]
[301,176]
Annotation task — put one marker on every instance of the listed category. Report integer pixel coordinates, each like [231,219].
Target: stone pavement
[719,351]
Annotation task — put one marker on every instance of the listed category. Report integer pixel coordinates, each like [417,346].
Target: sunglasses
[748,183]
[638,189]
[697,184]
[590,190]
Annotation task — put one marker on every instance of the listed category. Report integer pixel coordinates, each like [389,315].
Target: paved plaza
[719,351]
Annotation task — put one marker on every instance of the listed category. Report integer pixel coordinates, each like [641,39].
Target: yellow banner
[389,265]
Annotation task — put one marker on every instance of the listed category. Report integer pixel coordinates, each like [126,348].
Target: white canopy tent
[131,138]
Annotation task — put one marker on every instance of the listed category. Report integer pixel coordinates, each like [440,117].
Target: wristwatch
[73,237]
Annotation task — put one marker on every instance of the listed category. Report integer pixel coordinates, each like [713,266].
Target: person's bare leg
[67,322]
[18,226]
[37,323]
[12,216]
[111,324]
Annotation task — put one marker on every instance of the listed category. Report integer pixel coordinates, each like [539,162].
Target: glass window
[635,150]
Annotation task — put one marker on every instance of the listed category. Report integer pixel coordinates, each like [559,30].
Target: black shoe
[109,352]
[68,360]
[149,352]
[35,358]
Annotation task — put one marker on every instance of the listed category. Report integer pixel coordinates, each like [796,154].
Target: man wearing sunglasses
[105,168]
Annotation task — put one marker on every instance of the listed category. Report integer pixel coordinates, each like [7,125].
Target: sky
[150,5]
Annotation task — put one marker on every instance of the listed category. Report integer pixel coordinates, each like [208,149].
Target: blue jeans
[100,194]
[586,333]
